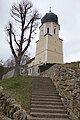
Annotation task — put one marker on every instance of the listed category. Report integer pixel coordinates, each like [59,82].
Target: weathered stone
[10,108]
[70,82]
[20,115]
[67,82]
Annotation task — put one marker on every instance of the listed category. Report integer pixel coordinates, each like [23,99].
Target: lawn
[20,89]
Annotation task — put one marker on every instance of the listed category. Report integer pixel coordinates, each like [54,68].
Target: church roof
[50,17]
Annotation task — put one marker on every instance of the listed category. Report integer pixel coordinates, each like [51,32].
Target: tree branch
[29,39]
[15,19]
[15,39]
[9,31]
[15,14]
[27,24]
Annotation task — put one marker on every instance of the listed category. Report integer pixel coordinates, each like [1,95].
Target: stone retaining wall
[67,82]
[8,75]
[10,108]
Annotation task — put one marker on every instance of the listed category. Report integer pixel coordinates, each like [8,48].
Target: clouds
[4,11]
[69,20]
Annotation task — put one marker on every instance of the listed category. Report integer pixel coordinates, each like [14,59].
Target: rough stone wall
[10,108]
[67,82]
[73,65]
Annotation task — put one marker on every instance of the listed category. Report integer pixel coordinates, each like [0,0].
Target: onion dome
[50,17]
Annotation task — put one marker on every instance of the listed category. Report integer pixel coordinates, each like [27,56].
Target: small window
[55,31]
[47,30]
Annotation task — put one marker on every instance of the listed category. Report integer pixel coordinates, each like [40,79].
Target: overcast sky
[68,12]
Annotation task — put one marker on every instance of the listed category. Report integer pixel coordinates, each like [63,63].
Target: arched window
[54,30]
[47,30]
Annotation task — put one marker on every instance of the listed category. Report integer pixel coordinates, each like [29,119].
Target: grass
[20,89]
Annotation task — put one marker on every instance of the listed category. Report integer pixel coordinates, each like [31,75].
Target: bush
[1,71]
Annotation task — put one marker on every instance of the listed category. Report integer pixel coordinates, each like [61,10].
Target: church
[49,47]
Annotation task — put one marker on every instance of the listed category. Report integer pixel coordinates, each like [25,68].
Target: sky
[68,12]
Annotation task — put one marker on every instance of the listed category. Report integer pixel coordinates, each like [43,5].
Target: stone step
[47,110]
[45,94]
[41,79]
[49,115]
[38,118]
[47,106]
[52,96]
[46,102]
[43,85]
[44,91]
[47,99]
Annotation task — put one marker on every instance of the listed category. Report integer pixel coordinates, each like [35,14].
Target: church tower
[49,48]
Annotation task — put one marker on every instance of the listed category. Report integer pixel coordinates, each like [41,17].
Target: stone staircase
[46,103]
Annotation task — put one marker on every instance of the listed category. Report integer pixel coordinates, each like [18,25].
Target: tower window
[55,31]
[47,30]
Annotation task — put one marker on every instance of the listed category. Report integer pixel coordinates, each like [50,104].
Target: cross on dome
[50,8]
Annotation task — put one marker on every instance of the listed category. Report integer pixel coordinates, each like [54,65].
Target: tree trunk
[17,69]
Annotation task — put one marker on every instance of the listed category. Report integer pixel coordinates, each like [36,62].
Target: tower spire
[50,8]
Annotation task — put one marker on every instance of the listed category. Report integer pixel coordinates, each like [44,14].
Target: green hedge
[1,71]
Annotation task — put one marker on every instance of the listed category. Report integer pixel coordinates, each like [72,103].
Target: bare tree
[20,35]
